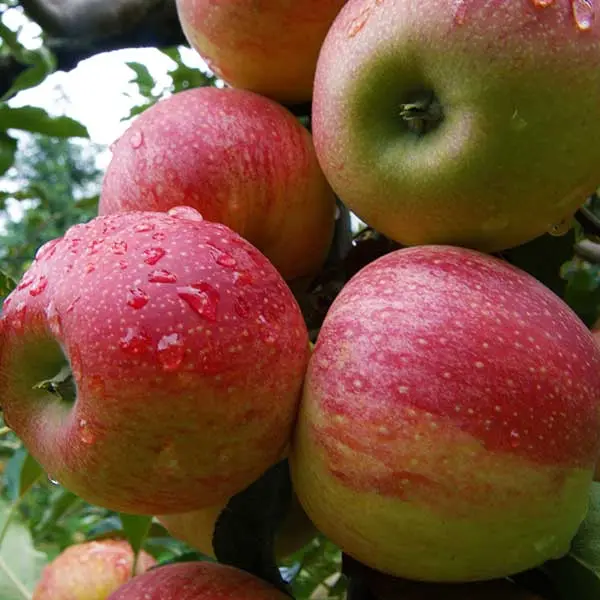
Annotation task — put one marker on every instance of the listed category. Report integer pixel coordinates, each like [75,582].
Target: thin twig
[15,580]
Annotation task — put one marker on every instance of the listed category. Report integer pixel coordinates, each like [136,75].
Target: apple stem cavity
[423,115]
[61,385]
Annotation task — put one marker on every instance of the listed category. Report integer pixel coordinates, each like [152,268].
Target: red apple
[187,352]
[450,421]
[461,122]
[90,571]
[197,581]
[239,159]
[264,46]
[196,529]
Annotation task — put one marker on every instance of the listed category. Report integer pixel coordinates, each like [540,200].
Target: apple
[267,47]
[465,123]
[238,158]
[450,420]
[197,581]
[90,571]
[196,529]
[152,362]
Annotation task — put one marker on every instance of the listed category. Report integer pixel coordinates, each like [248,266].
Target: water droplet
[47,250]
[357,24]
[153,255]
[461,8]
[39,286]
[159,236]
[171,351]
[71,306]
[226,260]
[90,268]
[53,480]
[561,228]
[54,320]
[122,265]
[185,212]
[202,298]
[135,342]
[583,13]
[242,308]
[242,279]
[542,3]
[85,435]
[26,280]
[162,276]
[515,439]
[19,316]
[7,302]
[142,227]
[95,245]
[137,298]
[136,140]
[119,247]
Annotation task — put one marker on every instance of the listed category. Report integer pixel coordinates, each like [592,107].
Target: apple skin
[197,581]
[90,571]
[450,420]
[196,529]
[596,334]
[519,88]
[188,353]
[238,158]
[267,47]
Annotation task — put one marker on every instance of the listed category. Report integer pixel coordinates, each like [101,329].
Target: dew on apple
[226,260]
[171,351]
[136,140]
[242,307]
[26,280]
[584,13]
[137,298]
[94,246]
[119,247]
[159,236]
[54,320]
[39,286]
[162,276]
[185,212]
[143,227]
[153,255]
[135,341]
[542,3]
[47,250]
[202,298]
[52,480]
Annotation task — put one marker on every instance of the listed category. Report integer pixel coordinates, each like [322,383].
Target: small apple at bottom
[152,362]
[90,571]
[197,581]
[450,422]
[196,528]
[464,122]
[238,158]
[269,47]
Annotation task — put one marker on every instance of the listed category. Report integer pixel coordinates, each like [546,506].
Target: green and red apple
[467,123]
[197,581]
[90,571]
[266,46]
[238,158]
[152,362]
[450,421]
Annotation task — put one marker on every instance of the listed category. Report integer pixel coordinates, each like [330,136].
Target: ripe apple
[464,122]
[450,421]
[268,47]
[197,581]
[152,362]
[238,158]
[90,571]
[196,529]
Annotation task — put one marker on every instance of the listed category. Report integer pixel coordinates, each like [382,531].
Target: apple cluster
[446,425]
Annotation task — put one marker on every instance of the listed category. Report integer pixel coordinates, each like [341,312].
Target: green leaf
[245,531]
[42,63]
[31,473]
[20,563]
[8,149]
[136,528]
[37,120]
[577,575]
[7,285]
[143,79]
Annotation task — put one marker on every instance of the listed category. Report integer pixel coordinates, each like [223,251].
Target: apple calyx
[61,385]
[424,114]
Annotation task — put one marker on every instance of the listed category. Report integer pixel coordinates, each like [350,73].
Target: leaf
[42,63]
[577,575]
[143,79]
[37,120]
[60,502]
[245,531]
[136,528]
[31,472]
[7,285]
[8,149]
[21,473]
[24,562]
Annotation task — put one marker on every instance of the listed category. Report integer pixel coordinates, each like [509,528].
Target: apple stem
[61,385]
[422,115]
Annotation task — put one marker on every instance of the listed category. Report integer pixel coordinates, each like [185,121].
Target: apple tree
[321,329]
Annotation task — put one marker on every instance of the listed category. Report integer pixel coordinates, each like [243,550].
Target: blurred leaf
[42,63]
[191,556]
[136,528]
[245,530]
[12,474]
[185,77]
[7,285]
[8,149]
[37,120]
[582,293]
[577,575]
[20,557]
[543,258]
[60,502]
[31,472]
